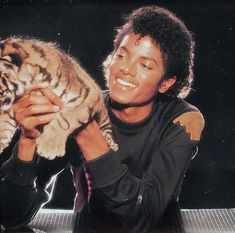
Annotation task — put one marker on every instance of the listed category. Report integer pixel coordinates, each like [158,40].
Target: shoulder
[186,115]
[193,122]
[174,106]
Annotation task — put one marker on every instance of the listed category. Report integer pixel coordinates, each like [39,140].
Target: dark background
[85,30]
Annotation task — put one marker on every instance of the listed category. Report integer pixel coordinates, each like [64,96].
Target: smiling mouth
[125,83]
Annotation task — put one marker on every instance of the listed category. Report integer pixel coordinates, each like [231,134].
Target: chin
[118,98]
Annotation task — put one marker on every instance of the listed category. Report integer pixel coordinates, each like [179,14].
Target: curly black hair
[172,36]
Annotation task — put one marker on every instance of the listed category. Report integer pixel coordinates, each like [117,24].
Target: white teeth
[125,83]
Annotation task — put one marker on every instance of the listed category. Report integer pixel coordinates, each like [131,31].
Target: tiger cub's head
[10,86]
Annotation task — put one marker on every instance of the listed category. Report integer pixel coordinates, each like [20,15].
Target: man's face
[135,71]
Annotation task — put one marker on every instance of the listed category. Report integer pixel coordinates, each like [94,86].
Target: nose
[128,68]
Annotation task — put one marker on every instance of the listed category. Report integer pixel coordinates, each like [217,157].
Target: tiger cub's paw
[51,144]
[2,147]
[4,141]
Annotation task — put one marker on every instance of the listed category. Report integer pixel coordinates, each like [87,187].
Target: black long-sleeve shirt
[129,189]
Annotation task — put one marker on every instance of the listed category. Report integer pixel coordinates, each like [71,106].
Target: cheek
[113,69]
[148,78]
[149,84]
[114,65]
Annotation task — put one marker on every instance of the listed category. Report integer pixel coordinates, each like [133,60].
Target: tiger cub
[28,62]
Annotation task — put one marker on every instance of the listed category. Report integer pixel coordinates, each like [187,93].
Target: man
[148,73]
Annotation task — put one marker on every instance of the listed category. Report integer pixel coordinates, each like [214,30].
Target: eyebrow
[143,57]
[124,48]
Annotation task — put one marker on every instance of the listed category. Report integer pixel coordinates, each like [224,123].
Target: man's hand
[91,141]
[36,108]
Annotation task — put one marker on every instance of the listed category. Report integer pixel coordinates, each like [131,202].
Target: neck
[129,113]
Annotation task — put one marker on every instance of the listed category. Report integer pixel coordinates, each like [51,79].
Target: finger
[33,99]
[35,88]
[29,100]
[55,99]
[22,114]
[38,110]
[31,123]
[42,109]
[45,119]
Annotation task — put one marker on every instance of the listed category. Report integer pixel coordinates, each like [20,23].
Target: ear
[166,84]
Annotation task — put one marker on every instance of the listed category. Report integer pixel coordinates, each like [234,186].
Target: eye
[120,55]
[146,66]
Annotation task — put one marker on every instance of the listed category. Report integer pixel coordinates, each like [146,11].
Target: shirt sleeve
[140,202]
[23,188]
